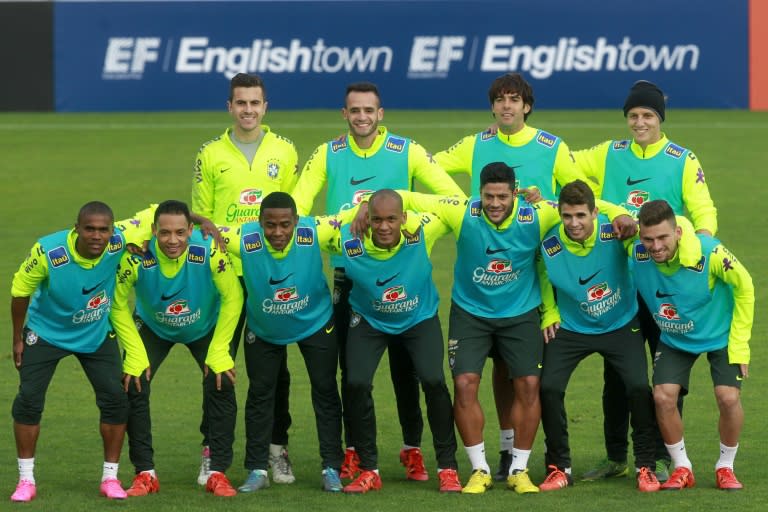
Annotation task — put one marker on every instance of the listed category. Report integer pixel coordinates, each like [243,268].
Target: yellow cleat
[521,483]
[478,483]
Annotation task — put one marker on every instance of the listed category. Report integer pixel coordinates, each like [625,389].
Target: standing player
[494,305]
[596,298]
[366,159]
[233,173]
[64,289]
[186,293]
[394,302]
[702,299]
[288,302]
[630,173]
[540,160]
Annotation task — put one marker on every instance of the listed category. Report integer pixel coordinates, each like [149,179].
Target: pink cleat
[25,491]
[111,489]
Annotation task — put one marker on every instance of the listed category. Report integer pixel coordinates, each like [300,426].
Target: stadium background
[54,57]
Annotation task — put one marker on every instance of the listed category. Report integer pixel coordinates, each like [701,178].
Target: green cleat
[606,469]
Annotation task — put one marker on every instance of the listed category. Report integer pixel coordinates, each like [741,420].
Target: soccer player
[186,293]
[596,297]
[394,302]
[288,302]
[702,299]
[366,159]
[540,160]
[495,297]
[630,173]
[233,173]
[64,289]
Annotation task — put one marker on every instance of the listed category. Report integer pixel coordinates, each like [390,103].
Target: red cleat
[351,465]
[218,484]
[414,464]
[679,479]
[647,481]
[449,480]
[726,480]
[143,483]
[367,481]
[555,480]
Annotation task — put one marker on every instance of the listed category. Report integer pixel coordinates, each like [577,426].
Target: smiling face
[386,217]
[661,240]
[247,108]
[278,225]
[509,110]
[172,232]
[497,199]
[93,233]
[578,221]
[363,114]
[644,125]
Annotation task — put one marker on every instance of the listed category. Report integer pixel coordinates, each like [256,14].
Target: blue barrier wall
[422,54]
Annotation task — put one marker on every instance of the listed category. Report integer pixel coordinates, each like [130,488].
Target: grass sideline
[56,162]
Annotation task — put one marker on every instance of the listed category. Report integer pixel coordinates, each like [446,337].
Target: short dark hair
[95,208]
[655,212]
[497,172]
[279,200]
[386,192]
[575,193]
[362,87]
[246,80]
[173,207]
[512,83]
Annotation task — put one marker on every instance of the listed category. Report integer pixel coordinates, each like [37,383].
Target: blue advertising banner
[173,55]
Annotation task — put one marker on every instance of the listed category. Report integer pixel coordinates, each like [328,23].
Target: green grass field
[54,163]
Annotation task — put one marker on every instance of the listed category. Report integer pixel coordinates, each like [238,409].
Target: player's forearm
[313,177]
[19,306]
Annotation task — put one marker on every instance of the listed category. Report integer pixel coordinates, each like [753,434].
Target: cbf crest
[273,169]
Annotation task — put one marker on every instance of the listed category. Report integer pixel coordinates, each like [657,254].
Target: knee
[728,398]
[665,397]
[465,387]
[113,407]
[26,411]
[527,388]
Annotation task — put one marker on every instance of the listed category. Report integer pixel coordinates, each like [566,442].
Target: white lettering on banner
[195,56]
[431,56]
[501,55]
[126,57]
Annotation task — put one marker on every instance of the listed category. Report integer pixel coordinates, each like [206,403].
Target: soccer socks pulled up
[476,455]
[727,456]
[519,460]
[27,469]
[507,439]
[679,455]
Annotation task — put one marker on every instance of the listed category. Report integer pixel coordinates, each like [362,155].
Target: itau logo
[177,307]
[286,294]
[394,294]
[598,292]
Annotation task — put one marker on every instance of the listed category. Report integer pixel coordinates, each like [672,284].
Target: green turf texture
[53,163]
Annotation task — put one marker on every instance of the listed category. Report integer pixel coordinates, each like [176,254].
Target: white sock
[519,460]
[109,471]
[476,456]
[151,472]
[679,455]
[27,469]
[351,448]
[409,447]
[507,439]
[727,455]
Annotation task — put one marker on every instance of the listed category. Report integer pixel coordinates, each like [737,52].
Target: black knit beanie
[647,95]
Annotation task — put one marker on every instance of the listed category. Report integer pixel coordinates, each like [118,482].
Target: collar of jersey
[169,266]
[81,260]
[377,252]
[579,248]
[265,128]
[652,150]
[377,143]
[518,139]
[278,255]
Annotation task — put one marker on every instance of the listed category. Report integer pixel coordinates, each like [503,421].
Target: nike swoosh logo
[634,330]
[490,251]
[585,281]
[379,282]
[169,297]
[222,171]
[329,331]
[278,281]
[86,291]
[739,377]
[353,181]
[631,182]
[663,295]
